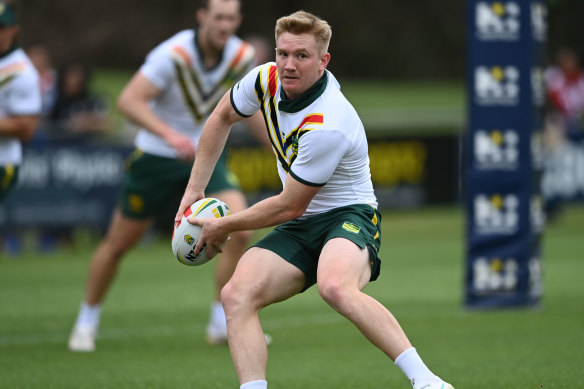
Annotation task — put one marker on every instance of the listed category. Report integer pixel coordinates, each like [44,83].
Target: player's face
[7,37]
[299,63]
[219,21]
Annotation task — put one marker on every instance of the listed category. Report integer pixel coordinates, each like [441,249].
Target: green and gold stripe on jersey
[265,88]
[286,149]
[307,124]
[10,72]
[199,101]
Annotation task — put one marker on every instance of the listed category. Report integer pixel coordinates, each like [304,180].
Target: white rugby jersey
[20,95]
[189,90]
[318,138]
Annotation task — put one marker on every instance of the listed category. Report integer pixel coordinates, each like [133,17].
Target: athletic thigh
[344,263]
[124,232]
[266,277]
[234,199]
[301,242]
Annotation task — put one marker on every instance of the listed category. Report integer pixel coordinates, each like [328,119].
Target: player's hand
[182,144]
[213,235]
[188,199]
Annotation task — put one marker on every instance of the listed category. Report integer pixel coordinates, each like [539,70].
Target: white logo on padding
[498,21]
[537,86]
[497,85]
[496,149]
[536,214]
[496,214]
[495,275]
[539,23]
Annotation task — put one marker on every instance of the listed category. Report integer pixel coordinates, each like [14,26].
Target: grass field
[153,323]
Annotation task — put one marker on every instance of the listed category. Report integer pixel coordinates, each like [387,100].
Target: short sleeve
[25,96]
[243,95]
[319,154]
[158,67]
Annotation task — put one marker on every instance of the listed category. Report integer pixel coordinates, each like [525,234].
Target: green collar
[10,50]
[307,98]
[200,51]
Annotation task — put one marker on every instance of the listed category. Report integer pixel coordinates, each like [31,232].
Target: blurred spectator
[77,110]
[565,90]
[41,59]
[77,114]
[562,180]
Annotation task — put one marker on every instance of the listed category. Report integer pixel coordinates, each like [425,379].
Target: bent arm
[211,144]
[134,103]
[290,204]
[21,127]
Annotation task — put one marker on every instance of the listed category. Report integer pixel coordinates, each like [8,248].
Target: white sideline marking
[146,332]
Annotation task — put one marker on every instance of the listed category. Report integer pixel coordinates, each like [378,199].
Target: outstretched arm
[290,204]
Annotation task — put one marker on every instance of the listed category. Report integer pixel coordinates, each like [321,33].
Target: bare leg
[260,279]
[235,247]
[123,234]
[343,272]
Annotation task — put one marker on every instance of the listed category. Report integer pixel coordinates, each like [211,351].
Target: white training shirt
[20,95]
[189,91]
[318,138]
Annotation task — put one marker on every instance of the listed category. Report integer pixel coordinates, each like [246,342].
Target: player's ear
[239,20]
[15,30]
[324,60]
[201,15]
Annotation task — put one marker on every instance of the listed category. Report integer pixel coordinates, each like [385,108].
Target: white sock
[218,316]
[89,315]
[414,368]
[259,384]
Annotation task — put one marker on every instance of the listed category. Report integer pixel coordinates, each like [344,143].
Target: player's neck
[10,49]
[210,56]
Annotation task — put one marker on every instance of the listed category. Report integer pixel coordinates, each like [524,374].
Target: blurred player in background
[20,98]
[170,98]
[565,90]
[331,228]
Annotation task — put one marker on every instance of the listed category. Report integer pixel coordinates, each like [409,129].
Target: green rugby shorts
[152,181]
[8,179]
[300,241]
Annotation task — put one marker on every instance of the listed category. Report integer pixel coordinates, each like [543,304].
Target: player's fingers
[181,211]
[209,249]
[188,151]
[218,248]
[198,247]
[188,155]
[195,221]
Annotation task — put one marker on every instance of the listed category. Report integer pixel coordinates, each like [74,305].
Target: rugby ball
[186,235]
